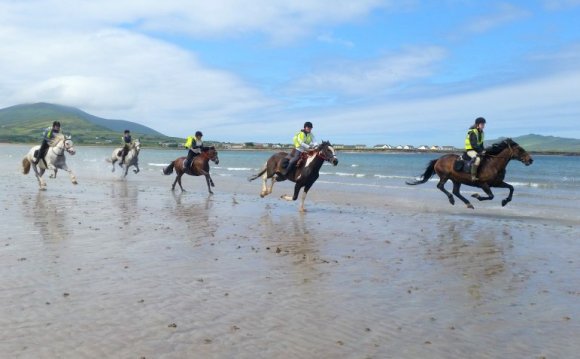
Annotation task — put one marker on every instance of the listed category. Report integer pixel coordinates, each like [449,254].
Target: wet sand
[129,269]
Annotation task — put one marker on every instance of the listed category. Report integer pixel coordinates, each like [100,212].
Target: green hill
[539,143]
[25,123]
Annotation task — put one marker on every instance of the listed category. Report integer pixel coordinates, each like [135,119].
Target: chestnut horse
[303,175]
[199,166]
[491,172]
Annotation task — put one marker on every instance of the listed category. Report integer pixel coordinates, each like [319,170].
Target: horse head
[69,145]
[326,152]
[518,153]
[212,154]
[136,145]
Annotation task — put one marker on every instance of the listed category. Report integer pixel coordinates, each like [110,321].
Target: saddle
[286,160]
[463,163]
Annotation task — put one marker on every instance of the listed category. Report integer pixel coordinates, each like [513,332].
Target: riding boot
[41,152]
[474,168]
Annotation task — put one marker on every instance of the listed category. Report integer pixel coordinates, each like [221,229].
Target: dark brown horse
[199,167]
[304,175]
[491,172]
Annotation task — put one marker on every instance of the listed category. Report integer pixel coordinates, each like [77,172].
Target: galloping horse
[53,160]
[199,166]
[491,174]
[132,158]
[303,176]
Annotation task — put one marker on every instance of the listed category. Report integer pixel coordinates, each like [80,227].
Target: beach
[126,268]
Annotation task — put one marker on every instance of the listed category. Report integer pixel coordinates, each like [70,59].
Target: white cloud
[359,77]
[505,13]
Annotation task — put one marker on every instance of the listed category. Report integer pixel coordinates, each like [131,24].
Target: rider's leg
[475,165]
[125,152]
[187,164]
[42,151]
[291,163]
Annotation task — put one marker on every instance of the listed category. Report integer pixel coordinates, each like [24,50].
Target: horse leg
[456,186]
[441,186]
[207,180]
[509,197]
[73,178]
[53,175]
[264,191]
[303,198]
[487,190]
[38,175]
[136,170]
[178,179]
[113,161]
[297,188]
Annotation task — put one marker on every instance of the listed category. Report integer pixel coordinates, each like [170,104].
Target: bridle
[324,157]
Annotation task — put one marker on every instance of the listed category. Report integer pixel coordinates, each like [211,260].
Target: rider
[474,145]
[47,135]
[126,145]
[194,145]
[303,141]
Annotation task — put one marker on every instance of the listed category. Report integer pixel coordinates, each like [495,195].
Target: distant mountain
[24,123]
[539,143]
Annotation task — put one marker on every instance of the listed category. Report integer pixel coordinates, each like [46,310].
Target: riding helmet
[308,124]
[198,133]
[56,123]
[479,120]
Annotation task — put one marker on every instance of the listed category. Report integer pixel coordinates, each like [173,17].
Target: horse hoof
[475,195]
[504,202]
[470,206]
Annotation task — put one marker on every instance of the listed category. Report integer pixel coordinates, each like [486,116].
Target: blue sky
[364,72]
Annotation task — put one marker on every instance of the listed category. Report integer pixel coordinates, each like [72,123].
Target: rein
[508,157]
[319,154]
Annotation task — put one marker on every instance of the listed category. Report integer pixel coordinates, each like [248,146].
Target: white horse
[53,160]
[132,158]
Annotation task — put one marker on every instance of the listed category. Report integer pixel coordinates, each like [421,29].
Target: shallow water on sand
[127,268]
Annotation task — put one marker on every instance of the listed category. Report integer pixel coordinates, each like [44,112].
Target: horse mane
[496,148]
[56,139]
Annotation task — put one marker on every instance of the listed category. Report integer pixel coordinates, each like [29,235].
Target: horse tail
[169,169]
[253,177]
[429,172]
[25,165]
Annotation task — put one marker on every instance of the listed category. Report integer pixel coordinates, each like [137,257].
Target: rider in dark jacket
[47,135]
[126,145]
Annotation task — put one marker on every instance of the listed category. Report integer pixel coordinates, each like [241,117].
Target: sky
[363,72]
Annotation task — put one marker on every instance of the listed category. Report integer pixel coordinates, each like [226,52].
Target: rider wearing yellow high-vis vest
[194,146]
[303,141]
[474,145]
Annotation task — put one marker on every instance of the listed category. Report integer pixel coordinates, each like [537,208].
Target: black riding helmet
[308,124]
[56,123]
[198,133]
[479,120]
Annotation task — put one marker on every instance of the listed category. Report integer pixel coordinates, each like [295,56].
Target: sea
[551,183]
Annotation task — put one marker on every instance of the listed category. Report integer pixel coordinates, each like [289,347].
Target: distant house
[382,147]
[423,148]
[360,147]
[447,148]
[408,147]
[435,148]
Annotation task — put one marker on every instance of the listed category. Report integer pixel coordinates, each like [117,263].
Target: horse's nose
[335,162]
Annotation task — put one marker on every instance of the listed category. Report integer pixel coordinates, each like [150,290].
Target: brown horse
[304,175]
[199,166]
[491,174]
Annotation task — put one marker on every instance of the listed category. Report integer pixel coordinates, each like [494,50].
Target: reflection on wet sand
[477,255]
[195,217]
[125,197]
[49,216]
